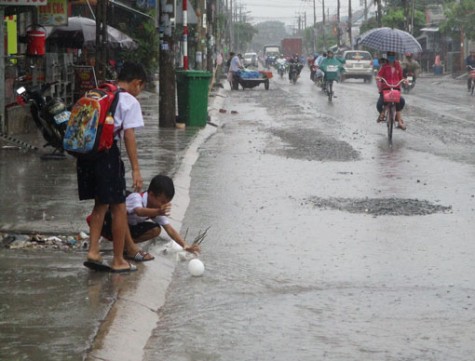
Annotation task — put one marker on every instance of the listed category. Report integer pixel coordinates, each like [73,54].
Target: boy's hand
[194,248]
[163,210]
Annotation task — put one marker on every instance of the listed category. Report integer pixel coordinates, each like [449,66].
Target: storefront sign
[23,2]
[54,13]
[85,79]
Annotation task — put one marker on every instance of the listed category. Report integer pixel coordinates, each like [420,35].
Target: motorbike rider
[470,61]
[376,64]
[331,60]
[313,68]
[317,62]
[410,67]
[296,65]
[391,71]
[281,63]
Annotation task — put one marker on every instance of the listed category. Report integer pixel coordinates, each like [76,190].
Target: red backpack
[90,127]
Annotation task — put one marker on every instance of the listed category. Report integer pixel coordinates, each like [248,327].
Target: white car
[358,64]
[250,59]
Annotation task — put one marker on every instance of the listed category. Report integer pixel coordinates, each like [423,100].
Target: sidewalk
[51,307]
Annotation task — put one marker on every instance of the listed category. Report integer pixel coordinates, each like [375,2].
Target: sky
[288,11]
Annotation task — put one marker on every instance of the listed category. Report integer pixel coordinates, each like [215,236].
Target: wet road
[326,244]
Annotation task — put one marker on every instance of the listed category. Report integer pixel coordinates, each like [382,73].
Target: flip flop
[140,256]
[132,268]
[99,266]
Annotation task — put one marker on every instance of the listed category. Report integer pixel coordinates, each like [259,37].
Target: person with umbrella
[391,71]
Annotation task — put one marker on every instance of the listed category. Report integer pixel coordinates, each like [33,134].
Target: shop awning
[430,30]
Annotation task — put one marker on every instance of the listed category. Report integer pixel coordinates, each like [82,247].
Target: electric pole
[350,22]
[315,28]
[101,40]
[166,93]
[323,24]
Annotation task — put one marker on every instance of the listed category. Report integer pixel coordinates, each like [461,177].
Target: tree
[269,32]
[460,16]
[243,34]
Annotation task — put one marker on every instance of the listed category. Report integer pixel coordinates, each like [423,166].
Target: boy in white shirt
[147,214]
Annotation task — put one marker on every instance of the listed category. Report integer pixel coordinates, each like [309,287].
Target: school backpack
[90,128]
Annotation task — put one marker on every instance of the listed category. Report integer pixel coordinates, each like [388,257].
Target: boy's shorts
[135,231]
[102,177]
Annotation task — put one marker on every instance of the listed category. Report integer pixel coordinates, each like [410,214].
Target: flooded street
[325,243]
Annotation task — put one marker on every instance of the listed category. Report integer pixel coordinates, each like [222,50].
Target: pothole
[379,206]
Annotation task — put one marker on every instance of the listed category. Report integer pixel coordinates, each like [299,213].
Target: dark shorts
[102,177]
[136,230]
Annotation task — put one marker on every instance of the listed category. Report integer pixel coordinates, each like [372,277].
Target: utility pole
[166,94]
[350,22]
[231,28]
[338,30]
[315,28]
[365,10]
[101,40]
[323,24]
[210,35]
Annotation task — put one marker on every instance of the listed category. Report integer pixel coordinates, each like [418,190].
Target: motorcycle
[317,76]
[410,82]
[281,69]
[49,114]
[294,71]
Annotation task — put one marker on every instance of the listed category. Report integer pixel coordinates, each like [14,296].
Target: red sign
[54,13]
[23,2]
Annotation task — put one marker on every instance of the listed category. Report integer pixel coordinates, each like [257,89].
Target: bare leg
[97,219]
[131,248]
[399,120]
[119,226]
[152,233]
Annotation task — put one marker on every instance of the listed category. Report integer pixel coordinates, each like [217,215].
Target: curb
[132,318]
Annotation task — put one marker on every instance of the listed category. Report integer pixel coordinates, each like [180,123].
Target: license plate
[409,78]
[62,117]
[332,68]
[358,65]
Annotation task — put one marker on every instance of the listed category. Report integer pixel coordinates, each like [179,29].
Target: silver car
[358,64]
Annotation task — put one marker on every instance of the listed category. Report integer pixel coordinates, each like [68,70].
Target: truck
[291,46]
[271,52]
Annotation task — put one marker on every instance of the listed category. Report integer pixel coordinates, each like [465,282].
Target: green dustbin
[192,91]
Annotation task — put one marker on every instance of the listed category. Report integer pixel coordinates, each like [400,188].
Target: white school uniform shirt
[139,200]
[128,114]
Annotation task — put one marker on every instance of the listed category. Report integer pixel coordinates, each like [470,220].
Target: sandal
[140,256]
[131,268]
[401,125]
[381,118]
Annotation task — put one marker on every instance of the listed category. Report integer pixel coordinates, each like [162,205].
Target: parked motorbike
[49,114]
[410,82]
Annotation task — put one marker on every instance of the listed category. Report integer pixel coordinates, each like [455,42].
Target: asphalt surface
[53,308]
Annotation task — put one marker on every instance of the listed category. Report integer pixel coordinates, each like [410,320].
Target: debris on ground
[38,241]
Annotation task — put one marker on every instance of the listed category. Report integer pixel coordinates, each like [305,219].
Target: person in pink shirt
[391,71]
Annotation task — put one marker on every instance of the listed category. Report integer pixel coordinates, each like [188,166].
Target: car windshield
[358,56]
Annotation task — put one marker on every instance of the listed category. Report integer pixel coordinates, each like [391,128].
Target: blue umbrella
[388,39]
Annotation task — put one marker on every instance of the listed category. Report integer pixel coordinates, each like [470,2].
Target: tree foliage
[460,15]
[243,34]
[146,36]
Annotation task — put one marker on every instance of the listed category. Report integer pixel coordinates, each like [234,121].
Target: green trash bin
[192,92]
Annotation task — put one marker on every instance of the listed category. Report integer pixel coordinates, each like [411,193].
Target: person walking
[102,177]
